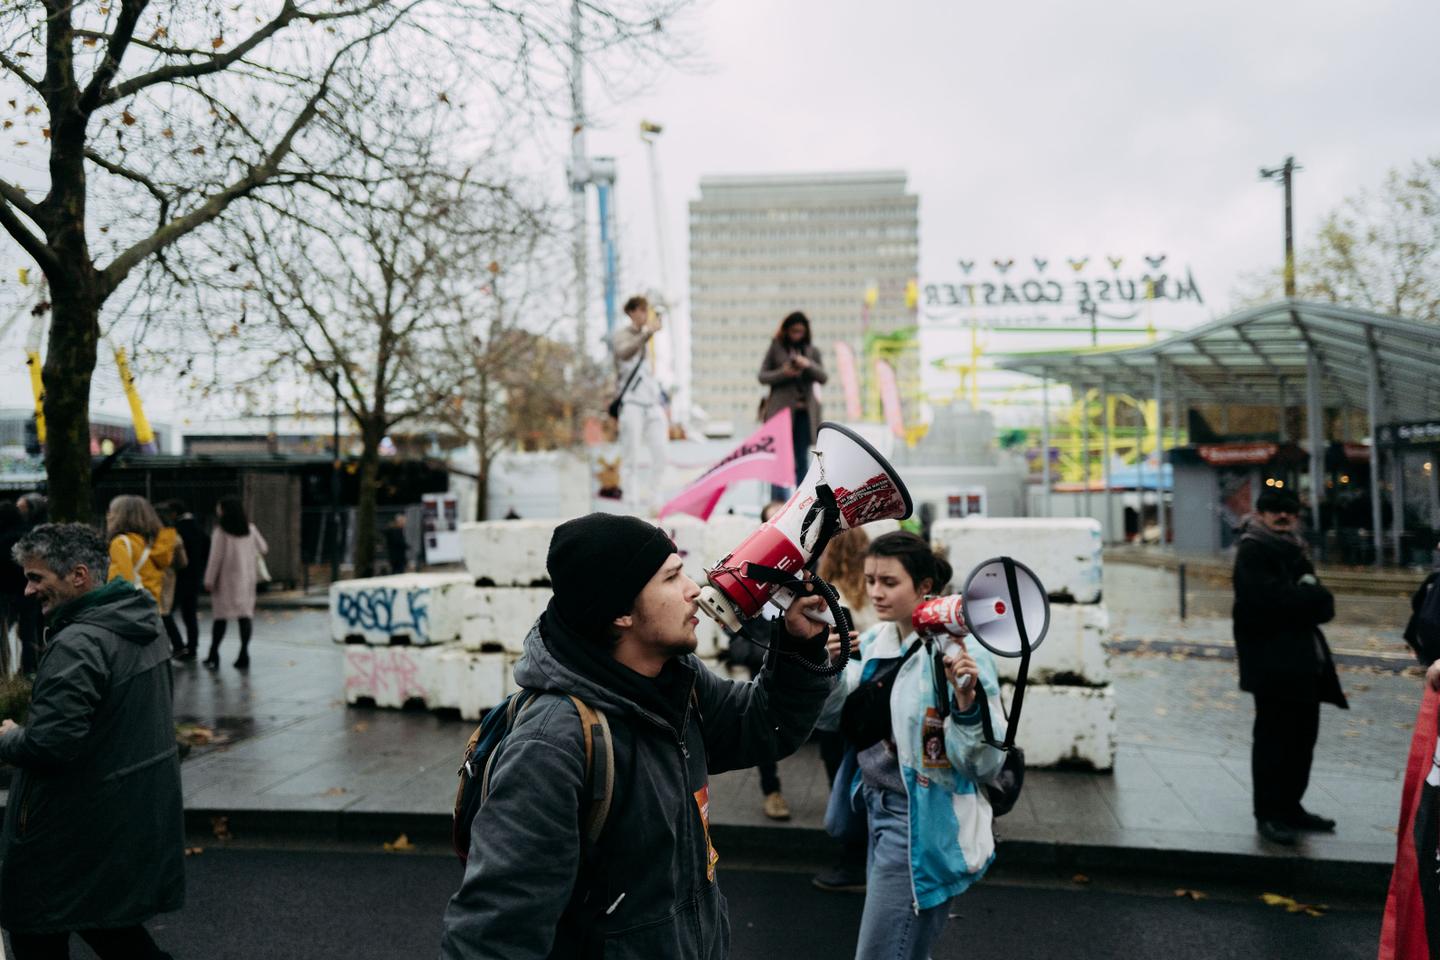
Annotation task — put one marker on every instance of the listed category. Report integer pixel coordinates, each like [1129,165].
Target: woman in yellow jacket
[140,550]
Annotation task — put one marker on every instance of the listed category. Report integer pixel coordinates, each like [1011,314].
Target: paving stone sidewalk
[289,754]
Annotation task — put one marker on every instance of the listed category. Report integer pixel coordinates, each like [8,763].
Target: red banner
[1228,454]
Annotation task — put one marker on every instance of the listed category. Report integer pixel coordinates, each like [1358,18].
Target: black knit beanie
[1274,501]
[599,563]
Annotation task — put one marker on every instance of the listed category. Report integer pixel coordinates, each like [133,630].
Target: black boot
[212,660]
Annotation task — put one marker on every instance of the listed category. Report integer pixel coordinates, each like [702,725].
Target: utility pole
[579,178]
[337,541]
[1285,173]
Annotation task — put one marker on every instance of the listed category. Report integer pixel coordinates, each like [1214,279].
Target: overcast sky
[1048,129]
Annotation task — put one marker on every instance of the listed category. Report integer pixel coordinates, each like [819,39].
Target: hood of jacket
[558,660]
[119,606]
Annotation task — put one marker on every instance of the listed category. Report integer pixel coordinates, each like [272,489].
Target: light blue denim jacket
[951,840]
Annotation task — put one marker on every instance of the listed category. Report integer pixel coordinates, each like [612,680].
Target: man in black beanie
[619,634]
[1284,661]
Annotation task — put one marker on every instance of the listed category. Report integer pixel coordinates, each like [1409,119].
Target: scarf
[666,695]
[1253,529]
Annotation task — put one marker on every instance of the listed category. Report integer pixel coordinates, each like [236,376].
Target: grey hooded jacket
[649,887]
[95,829]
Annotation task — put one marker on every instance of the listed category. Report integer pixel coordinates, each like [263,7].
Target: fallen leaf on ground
[1192,894]
[1161,712]
[334,791]
[361,727]
[1292,905]
[402,844]
[1080,878]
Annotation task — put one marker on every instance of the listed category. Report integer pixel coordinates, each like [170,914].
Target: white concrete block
[507,553]
[1070,725]
[421,608]
[723,533]
[1073,648]
[689,535]
[1064,553]
[469,682]
[389,676]
[500,617]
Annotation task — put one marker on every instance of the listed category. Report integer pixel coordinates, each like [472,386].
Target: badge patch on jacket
[934,742]
[702,800]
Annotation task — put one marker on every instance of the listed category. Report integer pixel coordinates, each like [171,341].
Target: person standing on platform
[1284,662]
[643,422]
[191,580]
[793,372]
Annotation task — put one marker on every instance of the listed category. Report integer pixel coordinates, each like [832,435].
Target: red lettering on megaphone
[939,616]
[875,499]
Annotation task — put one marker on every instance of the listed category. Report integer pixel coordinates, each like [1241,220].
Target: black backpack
[1423,631]
[484,746]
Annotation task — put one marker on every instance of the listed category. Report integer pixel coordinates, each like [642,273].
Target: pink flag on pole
[849,379]
[767,454]
[890,397]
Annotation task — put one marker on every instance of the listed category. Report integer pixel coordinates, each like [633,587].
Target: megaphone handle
[783,597]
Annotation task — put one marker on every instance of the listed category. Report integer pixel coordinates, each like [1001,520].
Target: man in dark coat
[1284,662]
[620,635]
[191,580]
[94,829]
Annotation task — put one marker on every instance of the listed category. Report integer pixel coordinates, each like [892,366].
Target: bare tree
[515,385]
[366,291]
[1380,250]
[159,118]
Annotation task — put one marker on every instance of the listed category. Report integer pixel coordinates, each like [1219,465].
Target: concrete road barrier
[1064,553]
[507,553]
[1067,725]
[1073,651]
[407,609]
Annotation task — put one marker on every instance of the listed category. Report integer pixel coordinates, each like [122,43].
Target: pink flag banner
[849,379]
[767,454]
[890,397]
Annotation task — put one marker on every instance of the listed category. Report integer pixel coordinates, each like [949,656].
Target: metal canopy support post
[1105,455]
[1397,500]
[1160,448]
[1372,399]
[1085,446]
[1315,429]
[1285,410]
[1434,477]
[1045,441]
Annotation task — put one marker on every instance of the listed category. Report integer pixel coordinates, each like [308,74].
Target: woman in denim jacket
[930,824]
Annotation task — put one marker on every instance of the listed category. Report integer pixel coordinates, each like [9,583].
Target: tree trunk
[69,363]
[365,509]
[482,483]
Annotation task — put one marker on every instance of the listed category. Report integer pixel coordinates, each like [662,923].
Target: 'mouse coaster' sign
[1072,292]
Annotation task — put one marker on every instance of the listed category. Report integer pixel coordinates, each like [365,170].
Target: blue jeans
[890,927]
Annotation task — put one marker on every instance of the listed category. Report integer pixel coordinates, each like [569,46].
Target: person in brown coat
[792,370]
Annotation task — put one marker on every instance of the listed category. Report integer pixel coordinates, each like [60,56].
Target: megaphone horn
[849,484]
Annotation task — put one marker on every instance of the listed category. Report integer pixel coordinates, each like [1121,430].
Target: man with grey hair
[94,830]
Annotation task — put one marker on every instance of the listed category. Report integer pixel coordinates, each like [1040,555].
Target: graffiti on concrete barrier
[386,610]
[390,675]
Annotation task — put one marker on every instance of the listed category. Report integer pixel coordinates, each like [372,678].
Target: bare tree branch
[38,249]
[289,13]
[19,71]
[19,200]
[114,52]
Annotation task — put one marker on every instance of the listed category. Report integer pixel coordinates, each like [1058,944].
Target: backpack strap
[513,708]
[601,779]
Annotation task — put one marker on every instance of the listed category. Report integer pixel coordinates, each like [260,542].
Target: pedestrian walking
[12,581]
[34,510]
[1284,662]
[842,565]
[231,576]
[169,585]
[643,422]
[397,548]
[94,828]
[619,634]
[930,823]
[793,372]
[190,580]
[1422,630]
[138,551]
